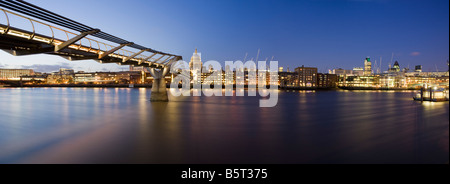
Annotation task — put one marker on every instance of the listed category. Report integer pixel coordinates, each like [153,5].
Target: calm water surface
[85,125]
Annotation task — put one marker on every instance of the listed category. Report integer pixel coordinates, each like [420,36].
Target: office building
[14,74]
[306,76]
[367,66]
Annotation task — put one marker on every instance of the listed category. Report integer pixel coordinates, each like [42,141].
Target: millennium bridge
[49,33]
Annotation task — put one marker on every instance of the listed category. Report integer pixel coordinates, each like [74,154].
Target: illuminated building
[367,66]
[81,77]
[138,68]
[57,78]
[14,74]
[393,81]
[358,71]
[196,59]
[395,68]
[287,79]
[128,77]
[341,72]
[196,67]
[34,79]
[64,76]
[65,71]
[396,80]
[141,69]
[359,81]
[418,68]
[272,75]
[125,77]
[306,76]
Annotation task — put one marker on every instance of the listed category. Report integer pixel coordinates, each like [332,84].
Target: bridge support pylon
[159,90]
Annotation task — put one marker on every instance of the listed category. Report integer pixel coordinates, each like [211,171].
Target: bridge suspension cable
[46,15]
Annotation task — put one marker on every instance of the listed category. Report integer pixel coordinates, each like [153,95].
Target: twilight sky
[322,33]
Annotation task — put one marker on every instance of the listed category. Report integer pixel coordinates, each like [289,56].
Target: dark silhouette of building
[327,80]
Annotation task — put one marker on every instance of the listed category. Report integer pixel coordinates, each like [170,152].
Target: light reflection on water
[120,125]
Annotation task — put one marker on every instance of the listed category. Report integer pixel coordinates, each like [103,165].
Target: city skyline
[376,69]
[346,46]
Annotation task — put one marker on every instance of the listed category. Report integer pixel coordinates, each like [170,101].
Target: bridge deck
[18,40]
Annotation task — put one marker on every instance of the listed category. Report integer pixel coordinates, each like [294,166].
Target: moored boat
[432,94]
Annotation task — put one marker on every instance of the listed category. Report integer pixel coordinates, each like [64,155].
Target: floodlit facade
[14,74]
[307,76]
[367,66]
[287,79]
[196,62]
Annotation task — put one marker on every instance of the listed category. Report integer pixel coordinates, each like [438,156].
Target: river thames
[121,125]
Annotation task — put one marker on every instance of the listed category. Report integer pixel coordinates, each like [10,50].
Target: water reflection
[83,125]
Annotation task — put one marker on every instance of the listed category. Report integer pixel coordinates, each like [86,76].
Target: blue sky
[322,33]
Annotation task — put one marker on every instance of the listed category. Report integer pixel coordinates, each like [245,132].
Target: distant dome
[195,59]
